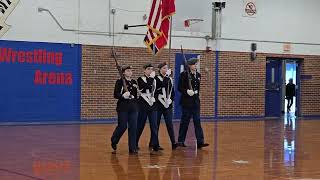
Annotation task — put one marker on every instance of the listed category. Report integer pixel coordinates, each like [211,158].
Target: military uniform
[190,103]
[127,112]
[164,100]
[147,108]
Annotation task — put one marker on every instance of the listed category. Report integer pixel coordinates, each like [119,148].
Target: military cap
[162,64]
[125,67]
[147,65]
[192,61]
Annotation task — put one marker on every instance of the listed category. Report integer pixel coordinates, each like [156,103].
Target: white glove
[190,92]
[153,74]
[168,73]
[196,92]
[153,100]
[169,101]
[126,95]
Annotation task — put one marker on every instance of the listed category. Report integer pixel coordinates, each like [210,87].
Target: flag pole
[153,52]
[170,36]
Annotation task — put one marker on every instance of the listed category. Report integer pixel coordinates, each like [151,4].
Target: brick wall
[241,85]
[241,81]
[99,75]
[310,89]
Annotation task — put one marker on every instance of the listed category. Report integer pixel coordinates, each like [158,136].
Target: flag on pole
[159,24]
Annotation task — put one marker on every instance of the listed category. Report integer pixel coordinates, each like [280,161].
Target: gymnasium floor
[240,150]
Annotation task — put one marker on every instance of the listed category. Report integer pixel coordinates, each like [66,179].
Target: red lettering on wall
[58,58]
[37,56]
[50,57]
[44,57]
[21,56]
[5,54]
[37,77]
[60,78]
[40,56]
[13,56]
[69,79]
[53,78]
[29,57]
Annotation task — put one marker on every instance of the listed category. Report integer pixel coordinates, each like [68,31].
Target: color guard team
[151,97]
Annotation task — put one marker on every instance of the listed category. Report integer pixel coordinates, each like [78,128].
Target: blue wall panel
[39,81]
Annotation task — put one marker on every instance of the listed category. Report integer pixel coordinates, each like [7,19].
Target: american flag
[159,24]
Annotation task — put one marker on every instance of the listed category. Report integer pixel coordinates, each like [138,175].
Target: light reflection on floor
[263,149]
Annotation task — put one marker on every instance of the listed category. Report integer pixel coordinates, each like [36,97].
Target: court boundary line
[114,120]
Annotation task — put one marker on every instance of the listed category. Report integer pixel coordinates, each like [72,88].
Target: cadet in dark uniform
[147,105]
[164,99]
[190,103]
[127,110]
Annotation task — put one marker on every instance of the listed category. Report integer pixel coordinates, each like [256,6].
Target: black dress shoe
[114,146]
[199,146]
[155,152]
[174,146]
[156,148]
[133,152]
[182,145]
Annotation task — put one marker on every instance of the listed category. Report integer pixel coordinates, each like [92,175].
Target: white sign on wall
[249,8]
[6,7]
[286,48]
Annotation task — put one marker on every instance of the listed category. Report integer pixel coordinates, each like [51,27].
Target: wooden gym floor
[239,150]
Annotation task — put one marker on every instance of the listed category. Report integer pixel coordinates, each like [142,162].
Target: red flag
[186,23]
[159,24]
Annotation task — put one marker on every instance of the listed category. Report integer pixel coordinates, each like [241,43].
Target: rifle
[125,87]
[187,69]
